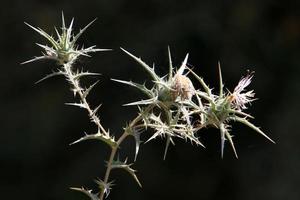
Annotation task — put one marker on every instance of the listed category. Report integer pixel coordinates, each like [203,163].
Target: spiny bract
[63,49]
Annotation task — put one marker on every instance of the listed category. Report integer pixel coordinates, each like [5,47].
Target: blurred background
[36,161]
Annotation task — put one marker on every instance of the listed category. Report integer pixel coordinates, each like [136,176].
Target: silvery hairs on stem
[173,107]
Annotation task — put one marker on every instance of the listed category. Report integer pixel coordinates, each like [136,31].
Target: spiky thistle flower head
[223,108]
[239,98]
[182,86]
[167,90]
[169,115]
[64,48]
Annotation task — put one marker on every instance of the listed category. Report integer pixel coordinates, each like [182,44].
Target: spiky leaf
[58,73]
[105,187]
[98,136]
[127,167]
[80,105]
[81,74]
[252,126]
[87,91]
[141,87]
[143,102]
[144,65]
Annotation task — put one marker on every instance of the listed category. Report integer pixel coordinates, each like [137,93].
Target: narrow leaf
[87,91]
[57,34]
[39,58]
[238,112]
[48,50]
[80,105]
[183,65]
[81,31]
[204,85]
[98,136]
[81,74]
[144,65]
[247,123]
[222,132]
[170,65]
[137,138]
[229,137]
[143,102]
[50,76]
[46,35]
[126,167]
[63,21]
[69,31]
[85,51]
[205,96]
[96,109]
[169,139]
[143,88]
[221,80]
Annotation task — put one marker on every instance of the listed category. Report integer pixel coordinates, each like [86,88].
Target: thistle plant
[171,108]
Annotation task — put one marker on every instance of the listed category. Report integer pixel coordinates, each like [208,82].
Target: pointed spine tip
[127,52]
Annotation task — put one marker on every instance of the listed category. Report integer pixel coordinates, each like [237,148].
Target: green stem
[115,148]
[111,159]
[70,75]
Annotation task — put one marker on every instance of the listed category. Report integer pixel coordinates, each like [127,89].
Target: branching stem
[115,148]
[71,77]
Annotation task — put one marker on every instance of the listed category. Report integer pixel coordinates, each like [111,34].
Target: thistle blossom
[219,110]
[169,99]
[239,98]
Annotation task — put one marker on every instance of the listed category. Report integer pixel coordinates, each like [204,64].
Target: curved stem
[71,77]
[109,163]
[115,148]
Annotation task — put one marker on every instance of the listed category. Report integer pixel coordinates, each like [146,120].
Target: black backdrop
[36,161]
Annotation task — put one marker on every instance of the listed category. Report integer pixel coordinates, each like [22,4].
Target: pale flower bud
[183,87]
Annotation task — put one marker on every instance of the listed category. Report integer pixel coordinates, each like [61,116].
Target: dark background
[36,161]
